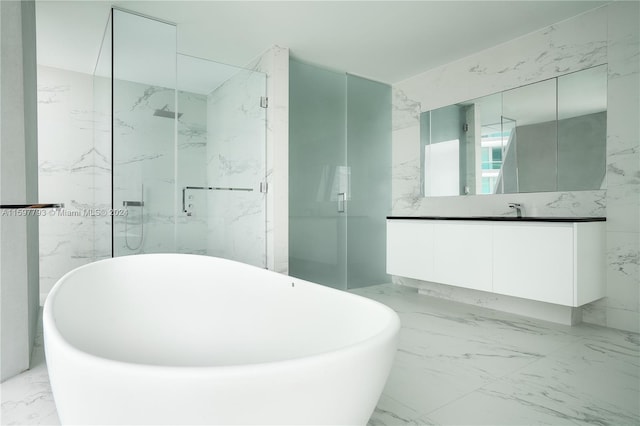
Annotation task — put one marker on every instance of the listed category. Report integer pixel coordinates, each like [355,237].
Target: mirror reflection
[547,136]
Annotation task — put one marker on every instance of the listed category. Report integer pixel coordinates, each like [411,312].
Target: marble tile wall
[191,231]
[236,156]
[68,165]
[605,35]
[275,64]
[622,306]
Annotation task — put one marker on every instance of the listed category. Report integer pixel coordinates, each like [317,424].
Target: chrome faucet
[518,208]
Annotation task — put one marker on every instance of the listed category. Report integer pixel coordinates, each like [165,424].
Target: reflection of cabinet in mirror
[546,136]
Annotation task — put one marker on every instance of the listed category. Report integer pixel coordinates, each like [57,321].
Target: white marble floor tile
[524,371]
[588,382]
[425,387]
[27,398]
[467,356]
[391,412]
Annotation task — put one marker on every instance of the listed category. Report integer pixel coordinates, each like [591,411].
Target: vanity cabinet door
[463,253]
[410,249]
[534,261]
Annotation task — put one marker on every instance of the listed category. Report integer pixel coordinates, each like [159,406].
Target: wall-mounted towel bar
[217,188]
[206,188]
[133,203]
[32,206]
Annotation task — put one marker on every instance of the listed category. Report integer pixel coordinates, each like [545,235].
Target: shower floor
[459,364]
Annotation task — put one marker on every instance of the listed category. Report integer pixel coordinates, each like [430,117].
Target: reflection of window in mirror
[489,141]
[491,153]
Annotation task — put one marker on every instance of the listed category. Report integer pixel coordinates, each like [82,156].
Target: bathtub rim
[390,330]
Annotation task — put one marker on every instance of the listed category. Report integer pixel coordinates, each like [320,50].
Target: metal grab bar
[133,203]
[207,188]
[217,188]
[32,206]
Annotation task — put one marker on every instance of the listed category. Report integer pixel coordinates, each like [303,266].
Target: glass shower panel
[319,180]
[144,112]
[221,164]
[195,81]
[101,154]
[236,168]
[369,161]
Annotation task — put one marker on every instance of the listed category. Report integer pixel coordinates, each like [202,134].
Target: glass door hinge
[264,187]
[264,102]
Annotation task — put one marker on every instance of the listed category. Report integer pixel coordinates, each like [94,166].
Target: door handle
[342,198]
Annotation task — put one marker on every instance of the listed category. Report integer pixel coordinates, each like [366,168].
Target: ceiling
[387,41]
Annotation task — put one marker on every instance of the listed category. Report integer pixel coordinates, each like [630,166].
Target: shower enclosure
[188,139]
[340,177]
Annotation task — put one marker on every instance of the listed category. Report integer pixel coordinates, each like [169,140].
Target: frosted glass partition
[144,155]
[318,176]
[369,160]
[340,177]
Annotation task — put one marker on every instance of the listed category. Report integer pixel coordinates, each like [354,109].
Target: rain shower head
[166,112]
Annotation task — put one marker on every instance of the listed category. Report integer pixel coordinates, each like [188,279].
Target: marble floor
[26,398]
[465,365]
[459,365]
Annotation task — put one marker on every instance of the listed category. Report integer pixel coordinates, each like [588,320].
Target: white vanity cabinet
[462,254]
[548,261]
[562,263]
[410,249]
[457,253]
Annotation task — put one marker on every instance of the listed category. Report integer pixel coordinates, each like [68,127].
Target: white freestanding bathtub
[184,339]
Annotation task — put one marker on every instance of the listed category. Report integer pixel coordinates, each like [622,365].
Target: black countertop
[503,218]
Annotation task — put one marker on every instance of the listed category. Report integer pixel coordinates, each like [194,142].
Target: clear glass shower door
[319,183]
[221,163]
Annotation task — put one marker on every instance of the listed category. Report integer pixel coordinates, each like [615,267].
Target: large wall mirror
[546,136]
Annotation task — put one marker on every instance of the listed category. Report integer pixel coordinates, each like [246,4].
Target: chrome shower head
[166,112]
